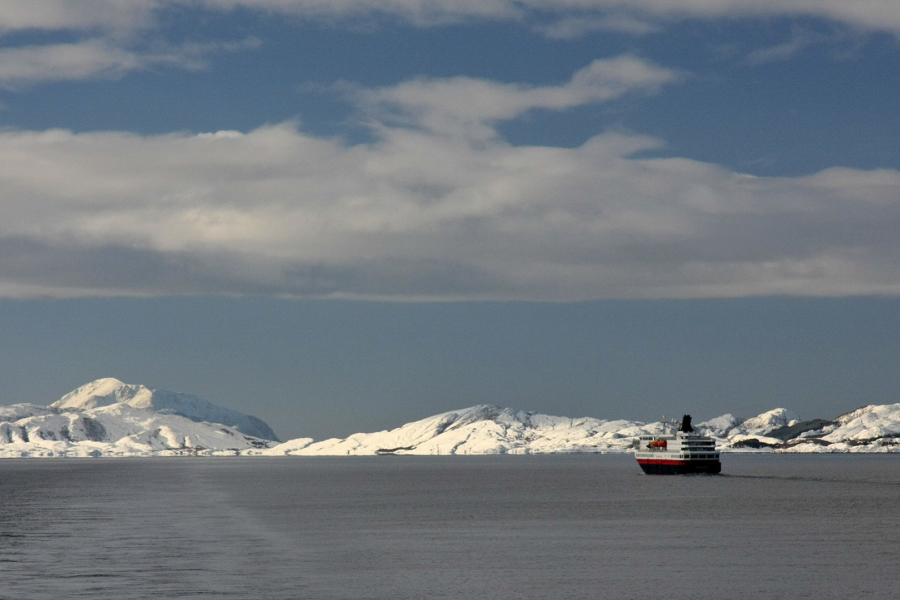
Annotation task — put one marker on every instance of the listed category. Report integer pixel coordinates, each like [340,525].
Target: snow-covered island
[110,418]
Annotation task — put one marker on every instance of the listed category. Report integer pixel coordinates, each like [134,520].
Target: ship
[680,452]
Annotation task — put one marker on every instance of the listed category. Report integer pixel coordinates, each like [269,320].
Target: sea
[586,526]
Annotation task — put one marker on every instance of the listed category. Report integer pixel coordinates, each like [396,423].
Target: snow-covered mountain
[765,423]
[493,430]
[753,432]
[109,418]
[479,430]
[109,391]
[116,430]
[873,428]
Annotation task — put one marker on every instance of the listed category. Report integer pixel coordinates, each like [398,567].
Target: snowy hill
[110,418]
[118,430]
[731,431]
[765,423]
[479,430]
[873,428]
[493,430]
[720,426]
[106,392]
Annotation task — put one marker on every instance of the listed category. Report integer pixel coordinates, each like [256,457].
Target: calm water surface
[585,526]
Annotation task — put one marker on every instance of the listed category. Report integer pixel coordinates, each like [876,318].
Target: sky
[343,215]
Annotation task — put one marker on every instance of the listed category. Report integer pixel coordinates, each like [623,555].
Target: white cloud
[54,15]
[467,106]
[801,39]
[420,213]
[59,62]
[96,58]
[574,27]
[109,46]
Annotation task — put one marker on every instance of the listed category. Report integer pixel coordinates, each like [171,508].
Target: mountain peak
[100,392]
[109,391]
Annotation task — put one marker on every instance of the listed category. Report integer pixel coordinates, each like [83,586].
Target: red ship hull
[662,466]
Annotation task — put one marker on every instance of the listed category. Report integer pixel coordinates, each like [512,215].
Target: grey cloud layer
[432,212]
[869,14]
[636,16]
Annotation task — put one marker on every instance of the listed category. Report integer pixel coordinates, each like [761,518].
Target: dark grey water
[558,527]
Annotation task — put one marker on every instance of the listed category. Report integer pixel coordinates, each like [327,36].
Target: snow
[109,391]
[719,426]
[118,430]
[20,411]
[766,422]
[743,437]
[487,429]
[101,392]
[110,418]
[482,429]
[867,423]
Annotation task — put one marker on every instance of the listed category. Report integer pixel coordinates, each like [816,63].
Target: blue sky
[400,177]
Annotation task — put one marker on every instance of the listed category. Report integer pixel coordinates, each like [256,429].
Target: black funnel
[686,424]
